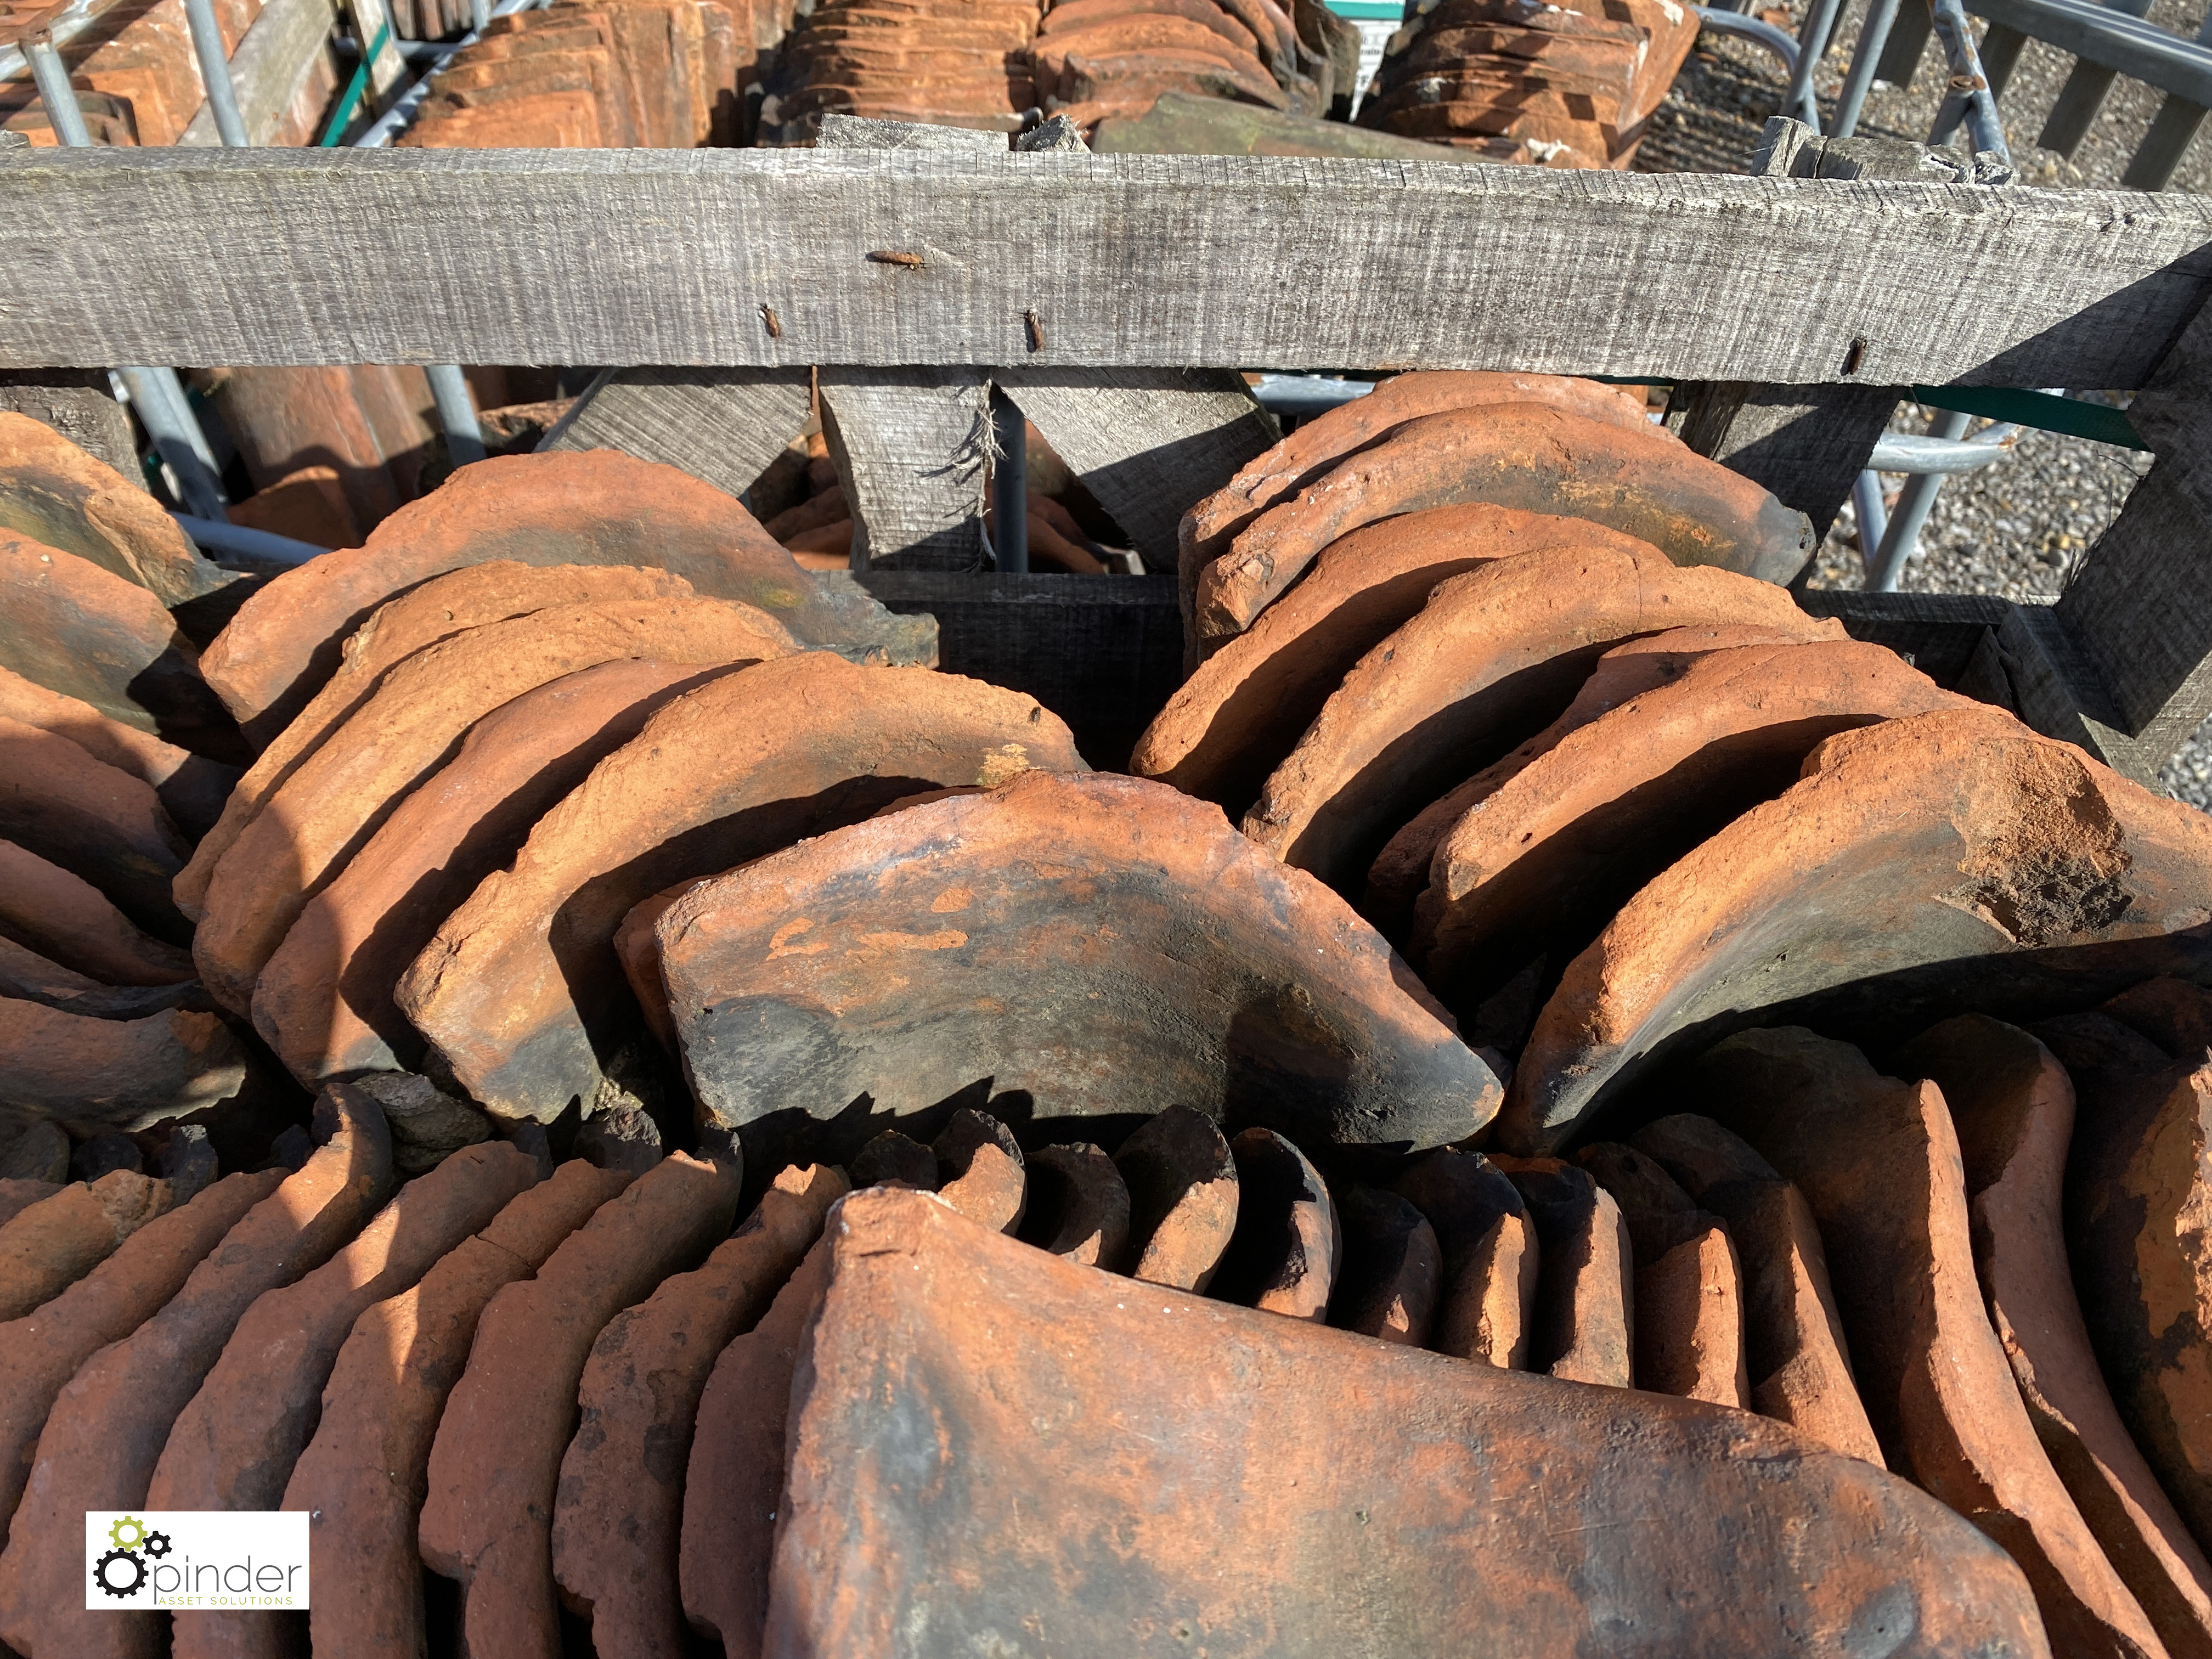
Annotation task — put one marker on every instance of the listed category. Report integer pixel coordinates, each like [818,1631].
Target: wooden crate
[1798,308]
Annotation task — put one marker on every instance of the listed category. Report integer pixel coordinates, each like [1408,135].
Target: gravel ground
[2020,527]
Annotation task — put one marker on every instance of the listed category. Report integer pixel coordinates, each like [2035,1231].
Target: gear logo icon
[157,1544]
[131,1524]
[106,1572]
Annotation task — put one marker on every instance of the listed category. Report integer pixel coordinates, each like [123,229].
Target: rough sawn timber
[523,256]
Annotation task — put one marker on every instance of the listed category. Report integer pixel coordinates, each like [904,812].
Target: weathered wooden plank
[1808,444]
[278,52]
[627,257]
[78,404]
[1103,653]
[2141,605]
[1148,443]
[2139,609]
[910,446]
[723,425]
[1940,632]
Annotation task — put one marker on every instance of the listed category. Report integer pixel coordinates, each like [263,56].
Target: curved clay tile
[1878,1163]
[1319,444]
[979,1170]
[322,1001]
[1182,1198]
[748,763]
[98,823]
[25,975]
[1288,1244]
[893,1159]
[1164,961]
[496,1464]
[588,506]
[87,633]
[53,492]
[91,1075]
[1492,656]
[1078,1205]
[1542,864]
[192,788]
[1399,874]
[2013,1106]
[53,1244]
[1584,1326]
[233,1447]
[327,810]
[364,1476]
[39,1355]
[67,919]
[2134,1187]
[1921,864]
[2172,1012]
[1637,481]
[1799,1363]
[1486,1304]
[1420,1470]
[733,1481]
[1689,1287]
[1232,722]
[619,1514]
[1393,1268]
[495,591]
[106,1430]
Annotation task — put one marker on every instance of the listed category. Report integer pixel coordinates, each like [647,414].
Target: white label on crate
[196,1560]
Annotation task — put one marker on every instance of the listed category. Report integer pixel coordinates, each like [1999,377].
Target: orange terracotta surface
[1088,891]
[977,1427]
[1930,850]
[1530,456]
[522,1009]
[108,1427]
[1492,657]
[1878,1161]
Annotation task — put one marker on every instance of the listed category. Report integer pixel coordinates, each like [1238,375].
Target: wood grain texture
[2142,604]
[1103,653]
[1938,632]
[624,257]
[1147,443]
[722,425]
[78,404]
[276,56]
[910,447]
[2139,609]
[1807,444]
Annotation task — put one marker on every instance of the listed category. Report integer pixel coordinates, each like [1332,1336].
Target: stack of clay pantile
[906,1398]
[1489,655]
[1528,80]
[333,452]
[817,526]
[612,74]
[1096,59]
[511,687]
[117,755]
[134,68]
[944,62]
